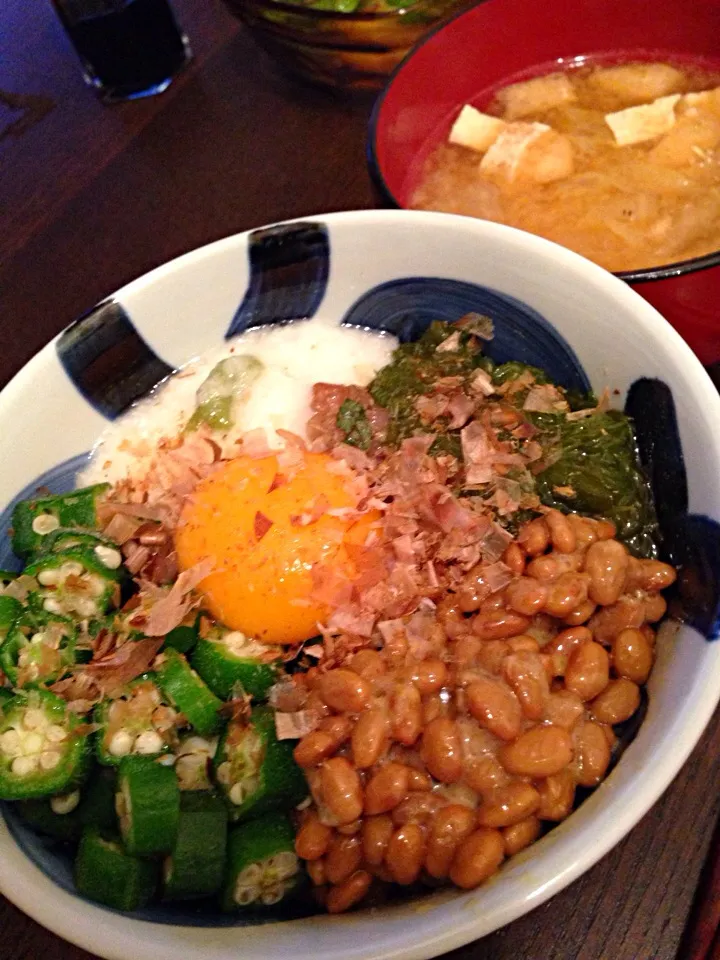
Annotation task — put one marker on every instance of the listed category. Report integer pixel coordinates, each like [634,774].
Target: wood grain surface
[92,196]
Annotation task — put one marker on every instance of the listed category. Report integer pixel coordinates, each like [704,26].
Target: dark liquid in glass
[128,47]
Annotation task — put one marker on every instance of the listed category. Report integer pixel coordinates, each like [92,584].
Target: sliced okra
[136,721]
[43,750]
[106,873]
[34,519]
[254,770]
[65,815]
[147,803]
[184,688]
[10,610]
[6,578]
[38,649]
[192,763]
[184,637]
[62,539]
[227,657]
[56,817]
[262,867]
[195,867]
[75,583]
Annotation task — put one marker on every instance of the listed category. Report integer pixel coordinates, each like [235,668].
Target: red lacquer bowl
[496,40]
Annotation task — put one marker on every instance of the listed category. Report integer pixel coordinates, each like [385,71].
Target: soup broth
[619,163]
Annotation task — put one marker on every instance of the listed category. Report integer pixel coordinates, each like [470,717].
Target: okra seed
[196,745]
[148,742]
[10,743]
[51,605]
[285,864]
[245,895]
[22,766]
[34,719]
[167,761]
[108,556]
[48,578]
[96,586]
[250,876]
[237,793]
[65,803]
[45,523]
[70,569]
[86,608]
[55,733]
[223,773]
[121,744]
[49,759]
[272,895]
[33,743]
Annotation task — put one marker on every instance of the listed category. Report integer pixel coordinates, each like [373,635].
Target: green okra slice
[189,694]
[34,519]
[195,867]
[254,770]
[38,649]
[184,637]
[137,720]
[65,538]
[226,658]
[65,815]
[76,583]
[10,610]
[262,867]
[43,747]
[148,806]
[55,817]
[106,873]
[6,695]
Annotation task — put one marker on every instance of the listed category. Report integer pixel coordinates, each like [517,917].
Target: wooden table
[92,196]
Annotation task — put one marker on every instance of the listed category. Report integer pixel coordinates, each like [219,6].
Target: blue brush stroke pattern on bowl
[407,307]
[108,360]
[289,267]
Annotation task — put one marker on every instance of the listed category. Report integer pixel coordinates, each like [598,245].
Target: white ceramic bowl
[550,306]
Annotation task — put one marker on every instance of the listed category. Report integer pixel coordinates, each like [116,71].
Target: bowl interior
[551,308]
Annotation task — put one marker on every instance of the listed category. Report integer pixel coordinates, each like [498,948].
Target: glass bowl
[349,51]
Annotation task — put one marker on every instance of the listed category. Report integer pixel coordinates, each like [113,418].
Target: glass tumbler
[128,48]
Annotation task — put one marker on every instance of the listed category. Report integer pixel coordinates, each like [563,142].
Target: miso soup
[620,163]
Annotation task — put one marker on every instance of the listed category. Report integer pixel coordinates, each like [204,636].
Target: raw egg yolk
[249,519]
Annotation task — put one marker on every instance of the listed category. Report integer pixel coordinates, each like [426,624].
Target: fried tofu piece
[635,83]
[639,124]
[475,130]
[535,96]
[529,151]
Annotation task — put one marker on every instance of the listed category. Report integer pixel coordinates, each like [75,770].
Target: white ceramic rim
[116,937]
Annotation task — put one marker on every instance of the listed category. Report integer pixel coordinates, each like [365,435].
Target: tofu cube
[635,83]
[475,130]
[535,96]
[529,151]
[639,124]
